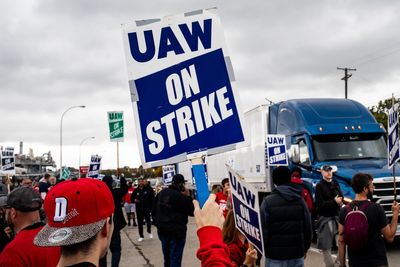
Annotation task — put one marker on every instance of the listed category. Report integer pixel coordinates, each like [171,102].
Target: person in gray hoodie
[286,222]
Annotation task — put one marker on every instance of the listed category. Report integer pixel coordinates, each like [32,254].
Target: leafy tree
[381,110]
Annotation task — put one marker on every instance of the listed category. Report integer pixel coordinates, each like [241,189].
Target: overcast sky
[57,54]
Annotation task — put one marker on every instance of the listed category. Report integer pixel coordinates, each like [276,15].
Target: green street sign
[65,173]
[116,125]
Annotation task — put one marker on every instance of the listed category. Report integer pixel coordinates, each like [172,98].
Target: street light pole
[80,145]
[62,117]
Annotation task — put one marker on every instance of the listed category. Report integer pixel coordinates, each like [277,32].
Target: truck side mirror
[295,153]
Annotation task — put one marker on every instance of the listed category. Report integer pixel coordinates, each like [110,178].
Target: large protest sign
[182,87]
[393,136]
[116,125]
[7,161]
[246,209]
[276,150]
[168,173]
[94,167]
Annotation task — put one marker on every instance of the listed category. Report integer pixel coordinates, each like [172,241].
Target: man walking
[171,209]
[286,222]
[22,215]
[143,197]
[80,220]
[373,253]
[329,199]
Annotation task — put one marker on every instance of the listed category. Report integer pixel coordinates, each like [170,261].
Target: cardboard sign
[116,125]
[94,167]
[7,161]
[83,169]
[181,84]
[393,136]
[246,209]
[168,173]
[65,173]
[276,150]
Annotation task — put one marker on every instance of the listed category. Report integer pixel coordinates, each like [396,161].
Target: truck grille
[384,195]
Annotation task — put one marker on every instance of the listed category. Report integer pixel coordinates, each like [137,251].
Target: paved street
[148,253]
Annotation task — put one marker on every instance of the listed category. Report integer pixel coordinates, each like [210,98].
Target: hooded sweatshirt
[286,224]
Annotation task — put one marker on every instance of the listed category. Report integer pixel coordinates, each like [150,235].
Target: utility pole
[347,75]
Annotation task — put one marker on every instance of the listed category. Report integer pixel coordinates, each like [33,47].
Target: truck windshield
[350,146]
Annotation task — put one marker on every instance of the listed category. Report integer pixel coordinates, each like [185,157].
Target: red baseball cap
[76,211]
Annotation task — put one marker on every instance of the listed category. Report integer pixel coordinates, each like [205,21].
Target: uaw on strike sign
[7,161]
[181,84]
[246,209]
[393,135]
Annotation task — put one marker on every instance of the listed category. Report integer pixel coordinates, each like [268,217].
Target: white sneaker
[151,236]
[140,239]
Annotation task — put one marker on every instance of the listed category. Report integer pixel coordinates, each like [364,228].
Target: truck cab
[338,132]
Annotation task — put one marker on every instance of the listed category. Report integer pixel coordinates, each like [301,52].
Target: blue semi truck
[339,132]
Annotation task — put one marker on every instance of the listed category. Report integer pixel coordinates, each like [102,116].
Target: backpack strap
[353,206]
[364,205]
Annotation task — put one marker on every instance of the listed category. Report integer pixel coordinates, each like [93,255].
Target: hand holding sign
[209,215]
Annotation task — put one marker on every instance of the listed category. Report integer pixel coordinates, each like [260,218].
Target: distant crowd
[76,222]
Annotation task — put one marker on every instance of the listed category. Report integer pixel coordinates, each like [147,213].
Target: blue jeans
[284,263]
[172,249]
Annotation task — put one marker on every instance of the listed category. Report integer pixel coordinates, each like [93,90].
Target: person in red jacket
[296,179]
[213,252]
[222,198]
[239,252]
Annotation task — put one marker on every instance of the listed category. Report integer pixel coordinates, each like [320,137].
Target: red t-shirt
[222,200]
[21,252]
[127,197]
[213,252]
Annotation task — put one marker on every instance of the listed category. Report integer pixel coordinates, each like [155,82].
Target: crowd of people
[82,220]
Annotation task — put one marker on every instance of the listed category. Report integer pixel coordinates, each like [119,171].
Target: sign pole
[199,174]
[394,168]
[117,159]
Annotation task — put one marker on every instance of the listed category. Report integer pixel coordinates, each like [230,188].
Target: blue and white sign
[182,87]
[246,209]
[276,150]
[94,167]
[7,161]
[168,173]
[393,135]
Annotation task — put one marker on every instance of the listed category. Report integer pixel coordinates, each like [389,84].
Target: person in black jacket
[143,197]
[286,222]
[329,199]
[170,213]
[118,219]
